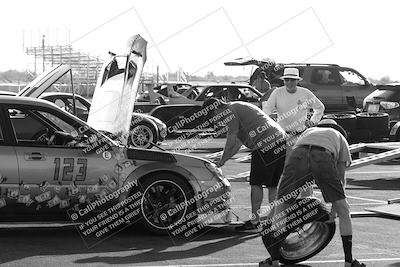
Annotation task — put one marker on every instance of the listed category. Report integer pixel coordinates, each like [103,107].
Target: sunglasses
[289,80]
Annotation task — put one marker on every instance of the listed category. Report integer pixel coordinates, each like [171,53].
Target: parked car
[379,120]
[174,115]
[145,130]
[386,98]
[162,92]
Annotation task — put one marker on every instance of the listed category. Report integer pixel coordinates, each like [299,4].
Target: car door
[180,117]
[55,174]
[324,82]
[354,85]
[9,179]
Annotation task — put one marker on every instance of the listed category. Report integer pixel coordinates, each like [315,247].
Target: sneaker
[356,263]
[248,225]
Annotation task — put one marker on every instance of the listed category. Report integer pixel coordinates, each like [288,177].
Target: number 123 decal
[68,166]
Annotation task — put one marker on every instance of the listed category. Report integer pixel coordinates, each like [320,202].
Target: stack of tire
[362,127]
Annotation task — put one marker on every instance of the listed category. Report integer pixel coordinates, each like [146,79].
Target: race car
[54,165]
[50,160]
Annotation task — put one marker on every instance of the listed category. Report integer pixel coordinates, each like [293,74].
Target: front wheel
[142,136]
[166,200]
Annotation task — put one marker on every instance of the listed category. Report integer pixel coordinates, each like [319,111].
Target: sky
[198,36]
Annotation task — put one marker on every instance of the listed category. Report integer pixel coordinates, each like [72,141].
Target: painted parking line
[368,199]
[239,175]
[265,207]
[372,172]
[256,264]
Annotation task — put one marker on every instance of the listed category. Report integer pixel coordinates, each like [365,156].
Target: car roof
[7,93]
[310,64]
[47,94]
[25,101]
[56,93]
[223,84]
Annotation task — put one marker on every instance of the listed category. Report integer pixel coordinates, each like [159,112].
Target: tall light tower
[43,50]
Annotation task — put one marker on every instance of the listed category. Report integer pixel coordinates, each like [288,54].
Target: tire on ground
[308,231]
[346,120]
[162,194]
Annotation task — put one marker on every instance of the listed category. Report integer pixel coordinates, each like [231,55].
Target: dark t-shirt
[253,127]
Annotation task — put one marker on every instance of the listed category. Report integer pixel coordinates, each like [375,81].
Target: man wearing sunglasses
[292,102]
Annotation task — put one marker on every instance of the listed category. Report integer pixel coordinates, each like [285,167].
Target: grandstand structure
[85,67]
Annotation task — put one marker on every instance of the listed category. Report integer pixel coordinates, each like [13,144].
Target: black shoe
[356,263]
[248,225]
[266,263]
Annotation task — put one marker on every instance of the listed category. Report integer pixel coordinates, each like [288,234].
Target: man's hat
[291,73]
[330,123]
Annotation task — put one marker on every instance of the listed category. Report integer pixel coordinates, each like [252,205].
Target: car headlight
[389,105]
[217,172]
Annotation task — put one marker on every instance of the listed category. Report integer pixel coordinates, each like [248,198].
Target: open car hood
[245,61]
[44,81]
[116,89]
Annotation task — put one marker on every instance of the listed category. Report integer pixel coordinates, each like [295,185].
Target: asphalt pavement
[375,238]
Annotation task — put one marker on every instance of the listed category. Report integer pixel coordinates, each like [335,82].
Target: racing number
[68,169]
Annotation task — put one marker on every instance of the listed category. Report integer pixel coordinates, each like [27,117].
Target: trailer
[361,152]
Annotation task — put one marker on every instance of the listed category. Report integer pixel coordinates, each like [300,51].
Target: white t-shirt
[328,138]
[292,107]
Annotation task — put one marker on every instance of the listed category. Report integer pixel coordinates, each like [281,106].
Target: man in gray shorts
[321,154]
[250,126]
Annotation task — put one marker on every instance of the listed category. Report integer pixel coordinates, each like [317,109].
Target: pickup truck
[339,88]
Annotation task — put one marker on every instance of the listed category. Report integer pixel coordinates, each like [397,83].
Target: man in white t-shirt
[291,102]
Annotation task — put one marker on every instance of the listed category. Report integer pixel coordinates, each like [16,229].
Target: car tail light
[389,105]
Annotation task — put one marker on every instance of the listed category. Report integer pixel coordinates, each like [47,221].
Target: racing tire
[143,135]
[305,239]
[160,207]
[375,123]
[346,120]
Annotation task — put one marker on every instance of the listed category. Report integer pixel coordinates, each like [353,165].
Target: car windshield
[198,88]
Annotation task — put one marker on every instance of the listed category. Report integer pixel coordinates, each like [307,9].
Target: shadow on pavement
[20,243]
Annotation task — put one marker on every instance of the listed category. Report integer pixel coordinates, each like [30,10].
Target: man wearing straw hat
[291,102]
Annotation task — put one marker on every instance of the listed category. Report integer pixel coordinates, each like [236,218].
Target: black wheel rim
[305,240]
[163,204]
